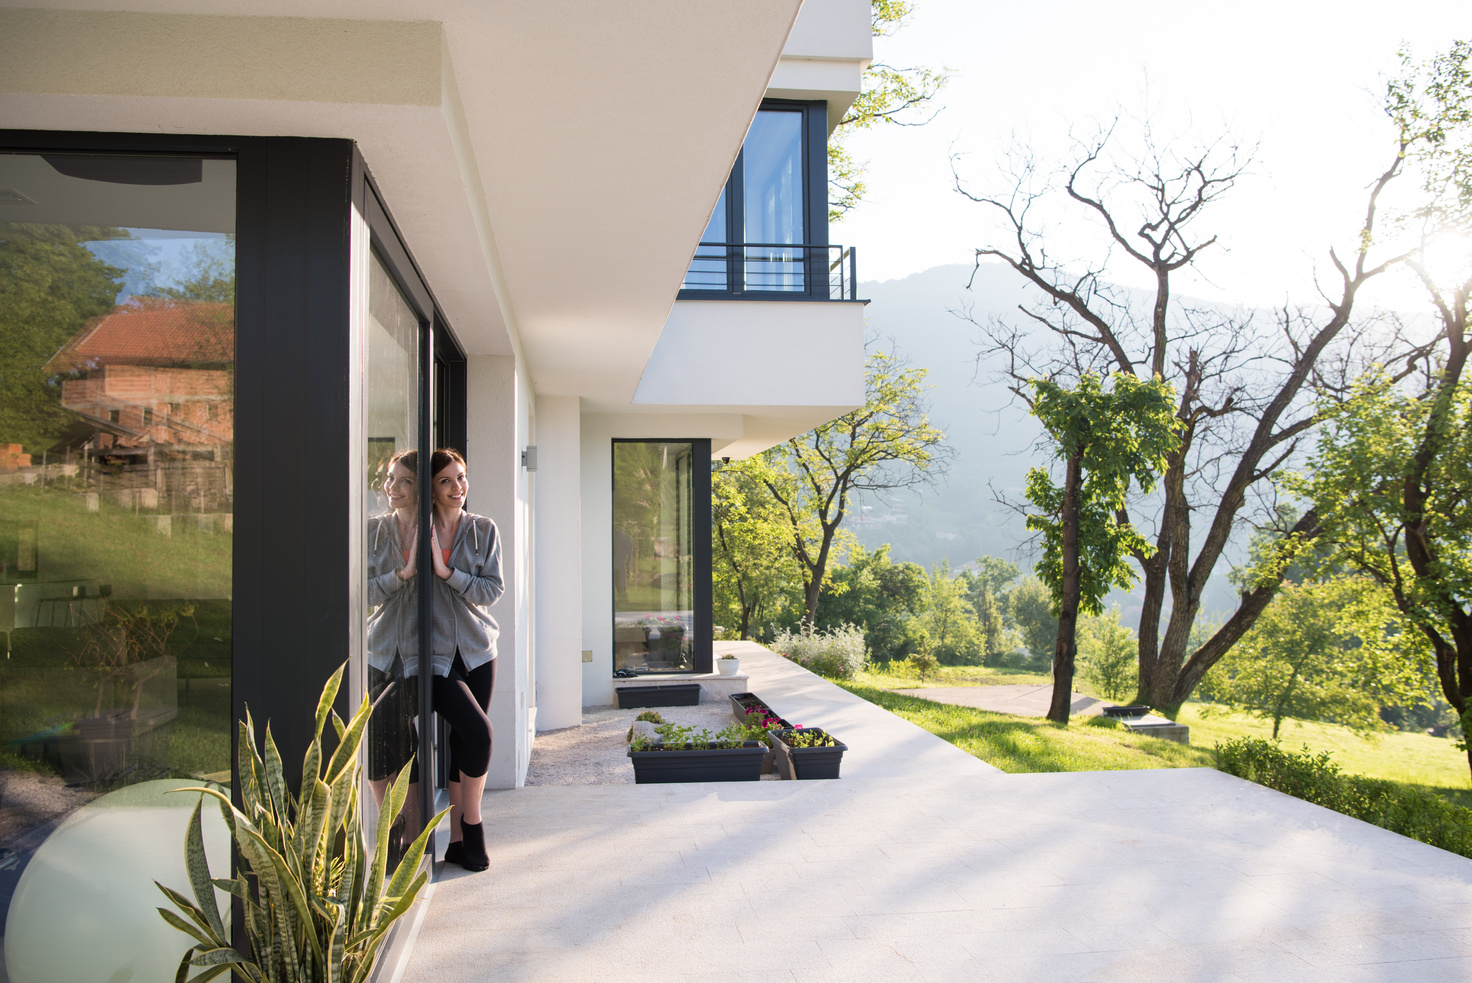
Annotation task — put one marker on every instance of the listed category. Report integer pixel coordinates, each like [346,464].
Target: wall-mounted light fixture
[529,457]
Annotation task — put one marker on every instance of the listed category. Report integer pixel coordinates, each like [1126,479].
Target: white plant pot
[728,667]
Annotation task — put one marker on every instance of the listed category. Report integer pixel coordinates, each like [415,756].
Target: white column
[557,517]
[494,431]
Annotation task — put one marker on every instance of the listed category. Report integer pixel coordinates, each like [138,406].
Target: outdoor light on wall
[529,457]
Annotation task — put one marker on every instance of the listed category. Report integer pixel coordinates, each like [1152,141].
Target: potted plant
[807,752]
[683,754]
[748,708]
[317,906]
[728,665]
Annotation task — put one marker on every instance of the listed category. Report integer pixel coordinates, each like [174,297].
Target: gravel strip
[595,753]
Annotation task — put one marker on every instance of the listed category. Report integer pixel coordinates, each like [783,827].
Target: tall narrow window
[117,296]
[653,556]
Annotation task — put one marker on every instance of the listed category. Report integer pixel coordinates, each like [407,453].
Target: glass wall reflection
[653,596]
[117,353]
[390,423]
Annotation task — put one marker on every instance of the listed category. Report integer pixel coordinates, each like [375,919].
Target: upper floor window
[768,235]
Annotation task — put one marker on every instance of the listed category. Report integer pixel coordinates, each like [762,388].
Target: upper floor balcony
[767,238]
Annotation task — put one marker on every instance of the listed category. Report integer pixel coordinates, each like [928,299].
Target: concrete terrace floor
[924,864]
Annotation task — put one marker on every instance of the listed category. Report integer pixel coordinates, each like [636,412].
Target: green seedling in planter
[808,738]
[316,903]
[674,737]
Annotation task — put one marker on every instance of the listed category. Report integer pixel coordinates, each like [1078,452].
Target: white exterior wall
[597,560]
[496,429]
[559,563]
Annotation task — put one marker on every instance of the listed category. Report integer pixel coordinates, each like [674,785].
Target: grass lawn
[1026,744]
[1400,756]
[1030,744]
[953,676]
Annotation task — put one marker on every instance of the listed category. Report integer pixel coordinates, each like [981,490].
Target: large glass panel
[653,597]
[773,201]
[117,353]
[390,426]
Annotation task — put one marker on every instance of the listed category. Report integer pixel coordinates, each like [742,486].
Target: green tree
[1243,382]
[881,597]
[994,576]
[1030,606]
[1106,440]
[50,286]
[754,576]
[950,622]
[1108,652]
[986,587]
[209,273]
[1337,650]
[1389,479]
[887,443]
[886,96]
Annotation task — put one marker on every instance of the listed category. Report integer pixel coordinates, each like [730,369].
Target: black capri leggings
[463,699]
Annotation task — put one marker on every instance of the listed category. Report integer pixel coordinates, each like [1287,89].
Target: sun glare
[1447,260]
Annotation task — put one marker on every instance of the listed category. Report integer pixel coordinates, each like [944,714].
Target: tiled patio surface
[924,864]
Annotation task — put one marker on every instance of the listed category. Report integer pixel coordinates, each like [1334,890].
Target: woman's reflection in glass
[393,636]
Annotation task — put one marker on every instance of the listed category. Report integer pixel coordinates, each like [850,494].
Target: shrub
[838,653]
[1413,812]
[923,664]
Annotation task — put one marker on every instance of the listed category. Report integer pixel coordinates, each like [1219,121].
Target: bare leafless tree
[1244,382]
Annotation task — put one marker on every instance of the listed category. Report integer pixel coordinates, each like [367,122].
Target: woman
[467,569]
[393,631]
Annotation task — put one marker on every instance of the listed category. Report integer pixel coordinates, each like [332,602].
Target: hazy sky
[1303,80]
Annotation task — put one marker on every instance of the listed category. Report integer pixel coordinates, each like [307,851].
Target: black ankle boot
[455,852]
[474,847]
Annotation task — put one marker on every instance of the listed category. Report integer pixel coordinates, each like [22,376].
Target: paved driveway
[924,864]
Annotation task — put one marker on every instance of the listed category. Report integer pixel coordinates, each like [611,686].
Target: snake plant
[317,908]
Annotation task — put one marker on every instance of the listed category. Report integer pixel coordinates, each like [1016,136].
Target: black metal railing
[771,269]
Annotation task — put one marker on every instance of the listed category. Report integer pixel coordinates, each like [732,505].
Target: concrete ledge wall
[751,355]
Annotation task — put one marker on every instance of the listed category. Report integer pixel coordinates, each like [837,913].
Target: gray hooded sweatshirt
[393,617]
[462,617]
[462,622]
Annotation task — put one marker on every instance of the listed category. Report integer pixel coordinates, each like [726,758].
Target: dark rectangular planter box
[805,763]
[1134,710]
[658,695]
[735,764]
[741,702]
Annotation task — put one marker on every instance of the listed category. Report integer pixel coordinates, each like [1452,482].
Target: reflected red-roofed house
[154,372]
[152,381]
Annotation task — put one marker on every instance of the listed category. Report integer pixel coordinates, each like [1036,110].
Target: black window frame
[815,213]
[701,587]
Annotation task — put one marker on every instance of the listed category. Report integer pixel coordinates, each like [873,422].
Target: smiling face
[399,486]
[450,487]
